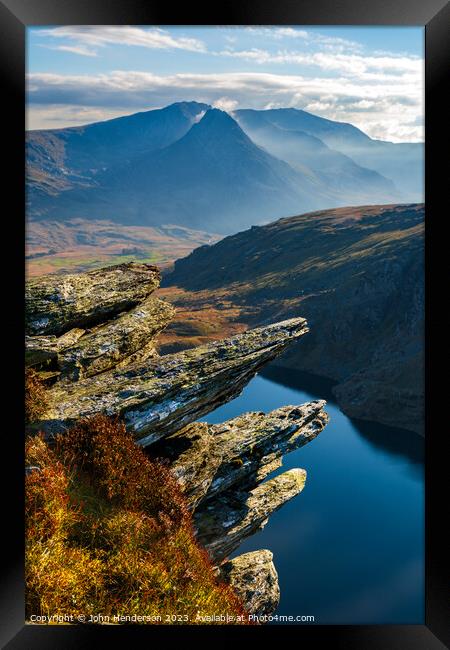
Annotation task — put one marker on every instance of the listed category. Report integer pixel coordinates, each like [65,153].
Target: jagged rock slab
[194,458]
[158,397]
[42,349]
[56,304]
[112,343]
[210,458]
[255,580]
[223,523]
[253,444]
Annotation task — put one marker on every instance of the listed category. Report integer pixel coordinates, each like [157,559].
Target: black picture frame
[15,16]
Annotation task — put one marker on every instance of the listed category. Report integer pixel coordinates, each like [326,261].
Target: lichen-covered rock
[254,579]
[43,349]
[160,396]
[148,351]
[221,524]
[209,458]
[253,444]
[112,343]
[56,304]
[194,458]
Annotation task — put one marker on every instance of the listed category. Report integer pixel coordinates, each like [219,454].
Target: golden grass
[109,533]
[35,396]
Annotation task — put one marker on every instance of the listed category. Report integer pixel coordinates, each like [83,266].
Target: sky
[372,77]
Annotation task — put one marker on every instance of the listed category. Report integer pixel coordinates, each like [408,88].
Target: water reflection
[349,549]
[393,440]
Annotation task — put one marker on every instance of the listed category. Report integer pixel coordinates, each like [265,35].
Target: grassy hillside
[108,532]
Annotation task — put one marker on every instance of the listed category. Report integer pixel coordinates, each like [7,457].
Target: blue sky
[369,76]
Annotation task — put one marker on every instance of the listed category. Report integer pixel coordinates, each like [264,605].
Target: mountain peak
[191,109]
[217,116]
[217,124]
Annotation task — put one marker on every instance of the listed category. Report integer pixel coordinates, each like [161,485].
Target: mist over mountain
[402,163]
[213,178]
[194,166]
[304,151]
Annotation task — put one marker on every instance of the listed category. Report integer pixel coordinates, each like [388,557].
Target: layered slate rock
[106,346]
[254,579]
[208,459]
[56,304]
[84,353]
[222,524]
[93,336]
[45,349]
[194,457]
[160,396]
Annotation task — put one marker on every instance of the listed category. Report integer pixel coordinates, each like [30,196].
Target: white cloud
[99,36]
[309,38]
[383,105]
[253,54]
[347,64]
[283,32]
[73,49]
[58,116]
[225,104]
[276,32]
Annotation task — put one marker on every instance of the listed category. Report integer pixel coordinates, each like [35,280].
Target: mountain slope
[356,275]
[350,182]
[213,178]
[65,158]
[196,167]
[403,163]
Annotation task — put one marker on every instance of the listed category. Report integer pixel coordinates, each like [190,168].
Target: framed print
[228,322]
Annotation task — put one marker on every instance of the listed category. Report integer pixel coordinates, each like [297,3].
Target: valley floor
[79,245]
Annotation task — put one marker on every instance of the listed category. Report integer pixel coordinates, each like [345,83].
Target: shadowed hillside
[356,274]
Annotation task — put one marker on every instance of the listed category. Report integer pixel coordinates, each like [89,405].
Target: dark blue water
[349,549]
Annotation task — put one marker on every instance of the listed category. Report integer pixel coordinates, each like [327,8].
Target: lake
[350,548]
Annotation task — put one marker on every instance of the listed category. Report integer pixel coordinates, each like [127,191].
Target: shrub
[102,448]
[109,532]
[35,396]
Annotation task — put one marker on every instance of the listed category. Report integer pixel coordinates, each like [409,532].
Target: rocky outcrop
[221,468]
[56,304]
[98,349]
[158,397]
[254,579]
[106,346]
[194,457]
[209,459]
[222,524]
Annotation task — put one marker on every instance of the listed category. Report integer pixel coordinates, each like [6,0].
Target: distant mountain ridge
[303,150]
[403,163]
[198,167]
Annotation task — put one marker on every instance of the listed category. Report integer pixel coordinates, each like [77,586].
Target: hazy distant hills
[402,163]
[356,275]
[213,178]
[277,133]
[198,167]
